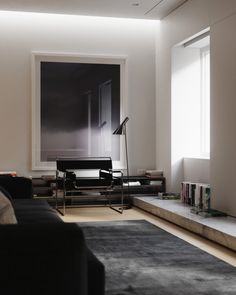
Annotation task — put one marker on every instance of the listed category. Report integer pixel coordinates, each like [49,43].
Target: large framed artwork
[77,103]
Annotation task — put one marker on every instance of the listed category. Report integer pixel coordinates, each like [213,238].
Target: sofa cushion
[35,211]
[18,187]
[7,215]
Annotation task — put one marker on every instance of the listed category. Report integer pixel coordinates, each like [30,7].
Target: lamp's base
[120,209]
[126,207]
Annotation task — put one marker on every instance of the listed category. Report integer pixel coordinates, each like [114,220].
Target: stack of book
[8,173]
[154,173]
[197,195]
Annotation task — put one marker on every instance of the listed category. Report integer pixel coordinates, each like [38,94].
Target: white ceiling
[144,9]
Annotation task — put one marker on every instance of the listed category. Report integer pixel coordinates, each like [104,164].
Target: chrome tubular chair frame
[103,183]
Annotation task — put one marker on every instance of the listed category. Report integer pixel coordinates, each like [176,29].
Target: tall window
[205,101]
[191,99]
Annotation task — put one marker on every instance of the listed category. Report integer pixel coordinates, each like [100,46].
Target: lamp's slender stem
[126,150]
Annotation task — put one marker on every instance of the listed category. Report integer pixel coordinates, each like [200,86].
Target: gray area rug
[142,259]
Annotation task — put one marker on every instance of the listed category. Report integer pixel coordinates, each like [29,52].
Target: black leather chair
[69,182]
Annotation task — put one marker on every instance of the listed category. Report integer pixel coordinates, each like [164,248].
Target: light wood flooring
[106,214]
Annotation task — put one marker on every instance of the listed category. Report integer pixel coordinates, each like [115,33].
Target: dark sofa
[42,255]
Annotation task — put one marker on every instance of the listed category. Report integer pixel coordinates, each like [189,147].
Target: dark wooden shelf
[43,187]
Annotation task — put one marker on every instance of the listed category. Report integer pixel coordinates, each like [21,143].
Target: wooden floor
[106,214]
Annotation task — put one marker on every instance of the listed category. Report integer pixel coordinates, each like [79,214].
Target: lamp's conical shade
[120,129]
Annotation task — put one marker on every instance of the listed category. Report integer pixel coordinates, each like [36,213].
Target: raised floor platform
[221,230]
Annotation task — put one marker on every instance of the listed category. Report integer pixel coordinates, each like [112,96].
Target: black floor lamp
[121,130]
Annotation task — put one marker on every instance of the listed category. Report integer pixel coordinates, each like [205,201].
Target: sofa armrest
[18,187]
[43,259]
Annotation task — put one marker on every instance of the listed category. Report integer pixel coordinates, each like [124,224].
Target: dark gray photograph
[80,109]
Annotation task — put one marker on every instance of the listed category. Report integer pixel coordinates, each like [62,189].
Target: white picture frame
[37,58]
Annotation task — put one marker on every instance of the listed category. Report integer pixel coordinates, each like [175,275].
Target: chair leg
[121,209]
[63,212]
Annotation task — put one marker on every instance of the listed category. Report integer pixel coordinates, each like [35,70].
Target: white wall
[189,19]
[223,121]
[22,33]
